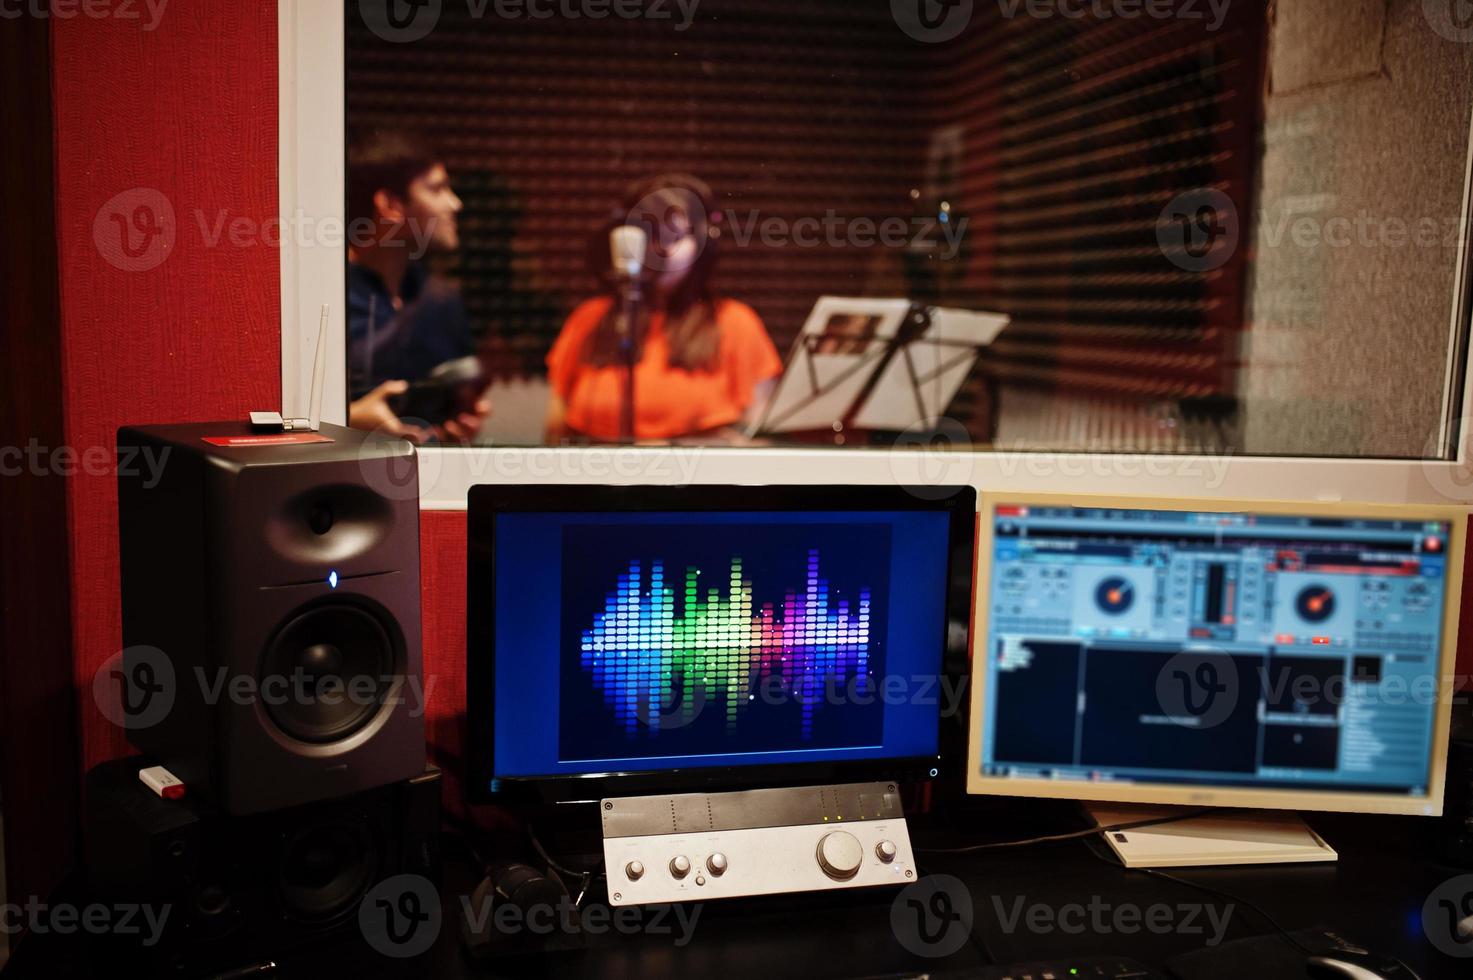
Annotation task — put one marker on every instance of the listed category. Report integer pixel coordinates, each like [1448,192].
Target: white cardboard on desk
[1229,838]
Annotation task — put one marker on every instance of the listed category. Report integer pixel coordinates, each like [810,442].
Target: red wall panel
[442,576]
[185,328]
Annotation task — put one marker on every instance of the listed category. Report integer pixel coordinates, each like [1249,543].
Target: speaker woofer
[326,870]
[327,671]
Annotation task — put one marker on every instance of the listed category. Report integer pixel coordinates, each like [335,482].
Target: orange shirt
[668,401]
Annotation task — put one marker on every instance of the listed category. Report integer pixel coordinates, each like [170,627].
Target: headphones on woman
[653,204]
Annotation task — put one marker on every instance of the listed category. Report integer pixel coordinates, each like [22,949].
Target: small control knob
[680,866]
[840,855]
[716,864]
[634,870]
[885,851]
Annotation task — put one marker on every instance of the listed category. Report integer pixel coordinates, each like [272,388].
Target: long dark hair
[665,206]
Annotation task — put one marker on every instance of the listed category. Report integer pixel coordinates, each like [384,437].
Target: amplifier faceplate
[701,846]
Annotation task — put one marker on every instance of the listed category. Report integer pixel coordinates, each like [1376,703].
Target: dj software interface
[1211,648]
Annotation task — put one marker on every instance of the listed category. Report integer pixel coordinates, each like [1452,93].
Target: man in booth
[412,369]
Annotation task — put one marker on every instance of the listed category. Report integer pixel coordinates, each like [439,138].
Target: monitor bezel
[1202,795]
[486,501]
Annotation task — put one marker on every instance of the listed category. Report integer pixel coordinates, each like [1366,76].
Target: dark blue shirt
[385,344]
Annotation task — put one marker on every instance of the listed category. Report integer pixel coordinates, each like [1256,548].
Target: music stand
[876,364]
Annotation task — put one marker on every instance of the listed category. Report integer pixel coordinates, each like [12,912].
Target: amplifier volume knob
[634,870]
[885,851]
[716,864]
[840,855]
[680,866]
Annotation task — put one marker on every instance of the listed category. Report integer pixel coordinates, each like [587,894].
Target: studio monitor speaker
[271,610]
[227,891]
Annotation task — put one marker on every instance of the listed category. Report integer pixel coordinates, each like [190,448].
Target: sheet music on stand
[876,364]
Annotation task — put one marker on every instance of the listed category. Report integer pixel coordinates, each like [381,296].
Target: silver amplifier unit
[695,847]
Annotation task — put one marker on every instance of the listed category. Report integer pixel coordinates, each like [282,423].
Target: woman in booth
[701,360]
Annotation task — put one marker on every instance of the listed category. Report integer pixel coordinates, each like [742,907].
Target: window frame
[311,186]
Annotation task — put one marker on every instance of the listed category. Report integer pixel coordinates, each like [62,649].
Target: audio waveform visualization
[667,649]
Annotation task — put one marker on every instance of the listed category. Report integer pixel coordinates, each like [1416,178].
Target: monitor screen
[736,628]
[1189,649]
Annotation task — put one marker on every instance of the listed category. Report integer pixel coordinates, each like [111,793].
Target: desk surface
[1037,903]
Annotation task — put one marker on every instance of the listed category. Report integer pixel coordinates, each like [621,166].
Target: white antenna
[319,369]
[274,420]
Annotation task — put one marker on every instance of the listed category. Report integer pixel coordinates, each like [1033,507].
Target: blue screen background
[549,717]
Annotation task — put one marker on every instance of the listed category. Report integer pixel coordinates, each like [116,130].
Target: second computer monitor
[1250,654]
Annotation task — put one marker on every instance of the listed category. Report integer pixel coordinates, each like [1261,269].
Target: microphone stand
[630,295]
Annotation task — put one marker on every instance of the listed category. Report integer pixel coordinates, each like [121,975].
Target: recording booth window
[1227,229]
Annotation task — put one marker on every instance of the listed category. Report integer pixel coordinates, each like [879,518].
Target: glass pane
[1106,225]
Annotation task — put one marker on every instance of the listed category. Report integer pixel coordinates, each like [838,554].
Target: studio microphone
[627,246]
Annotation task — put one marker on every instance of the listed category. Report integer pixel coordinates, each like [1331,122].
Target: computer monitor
[1207,653]
[628,640]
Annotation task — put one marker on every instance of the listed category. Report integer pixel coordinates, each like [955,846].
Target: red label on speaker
[274,439]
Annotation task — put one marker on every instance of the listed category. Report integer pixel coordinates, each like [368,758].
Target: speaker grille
[326,869]
[327,672]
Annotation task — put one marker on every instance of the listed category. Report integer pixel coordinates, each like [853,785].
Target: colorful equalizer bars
[657,641]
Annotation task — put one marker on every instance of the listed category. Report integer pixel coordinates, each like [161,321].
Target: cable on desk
[973,932]
[1075,835]
[1215,892]
[586,877]
[1228,896]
